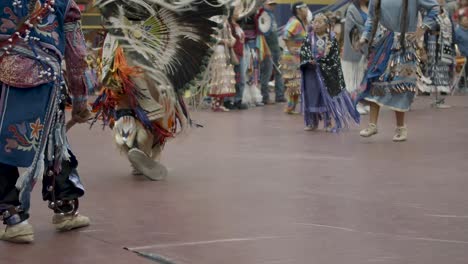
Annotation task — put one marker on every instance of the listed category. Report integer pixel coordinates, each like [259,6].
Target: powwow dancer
[154,50]
[294,35]
[391,76]
[221,72]
[440,50]
[324,94]
[35,36]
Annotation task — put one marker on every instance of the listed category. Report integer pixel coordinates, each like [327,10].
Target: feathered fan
[171,37]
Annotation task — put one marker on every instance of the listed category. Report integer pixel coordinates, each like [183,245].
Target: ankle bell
[64,207]
[11,216]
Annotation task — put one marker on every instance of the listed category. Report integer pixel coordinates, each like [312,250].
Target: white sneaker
[401,134]
[68,222]
[369,131]
[21,233]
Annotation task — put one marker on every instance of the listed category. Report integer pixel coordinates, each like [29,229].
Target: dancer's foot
[401,134]
[150,168]
[331,129]
[21,233]
[290,111]
[220,109]
[64,223]
[369,131]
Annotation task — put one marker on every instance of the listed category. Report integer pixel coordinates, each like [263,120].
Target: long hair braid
[404,25]
[376,21]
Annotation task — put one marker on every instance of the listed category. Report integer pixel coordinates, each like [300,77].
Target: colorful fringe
[340,108]
[391,77]
[293,100]
[107,102]
[376,67]
[264,50]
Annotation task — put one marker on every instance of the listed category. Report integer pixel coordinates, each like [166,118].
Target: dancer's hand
[81,113]
[417,36]
[361,43]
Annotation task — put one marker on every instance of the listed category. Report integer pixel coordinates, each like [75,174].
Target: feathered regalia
[154,51]
[247,7]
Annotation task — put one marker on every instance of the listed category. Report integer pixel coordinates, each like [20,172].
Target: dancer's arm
[75,58]
[291,29]
[432,11]
[371,22]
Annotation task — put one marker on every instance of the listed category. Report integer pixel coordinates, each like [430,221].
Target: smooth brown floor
[253,188]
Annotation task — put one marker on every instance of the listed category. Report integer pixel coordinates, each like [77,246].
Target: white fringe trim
[251,95]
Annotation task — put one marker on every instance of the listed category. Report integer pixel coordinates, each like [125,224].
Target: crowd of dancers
[294,56]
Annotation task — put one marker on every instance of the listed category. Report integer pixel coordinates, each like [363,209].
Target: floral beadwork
[25,137]
[8,23]
[47,28]
[23,30]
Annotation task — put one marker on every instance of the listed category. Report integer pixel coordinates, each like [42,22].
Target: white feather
[161,50]
[173,5]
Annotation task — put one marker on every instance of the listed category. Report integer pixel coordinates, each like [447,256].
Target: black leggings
[8,192]
[65,189]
